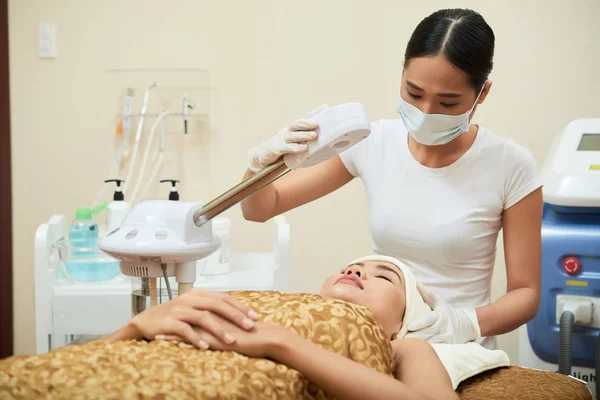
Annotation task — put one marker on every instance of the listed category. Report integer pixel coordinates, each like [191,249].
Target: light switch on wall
[47,40]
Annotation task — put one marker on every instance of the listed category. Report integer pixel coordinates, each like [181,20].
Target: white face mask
[434,129]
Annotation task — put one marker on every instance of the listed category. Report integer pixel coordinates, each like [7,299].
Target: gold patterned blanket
[168,370]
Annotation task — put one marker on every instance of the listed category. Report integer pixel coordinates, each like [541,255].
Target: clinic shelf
[102,308]
[66,309]
[249,271]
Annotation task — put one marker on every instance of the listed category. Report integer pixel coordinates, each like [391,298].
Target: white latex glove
[289,140]
[444,324]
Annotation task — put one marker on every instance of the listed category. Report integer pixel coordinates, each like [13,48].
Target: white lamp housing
[157,233]
[340,127]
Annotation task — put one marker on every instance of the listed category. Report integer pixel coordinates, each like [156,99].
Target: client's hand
[260,342]
[203,309]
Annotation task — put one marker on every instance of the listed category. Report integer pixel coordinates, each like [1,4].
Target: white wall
[269,61]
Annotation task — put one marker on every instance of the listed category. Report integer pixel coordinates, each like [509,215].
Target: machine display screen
[589,142]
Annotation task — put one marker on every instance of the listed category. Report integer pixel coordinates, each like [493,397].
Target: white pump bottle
[117,210]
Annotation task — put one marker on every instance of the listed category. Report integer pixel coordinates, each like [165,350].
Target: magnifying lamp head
[159,232]
[340,127]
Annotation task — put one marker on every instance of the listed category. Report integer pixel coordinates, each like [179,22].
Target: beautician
[439,187]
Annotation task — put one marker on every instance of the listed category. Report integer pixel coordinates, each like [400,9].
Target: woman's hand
[444,324]
[197,308]
[290,139]
[260,342]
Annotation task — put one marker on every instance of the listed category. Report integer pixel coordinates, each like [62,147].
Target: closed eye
[414,96]
[385,277]
[449,105]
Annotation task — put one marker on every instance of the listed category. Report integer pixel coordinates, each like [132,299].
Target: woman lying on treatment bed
[383,285]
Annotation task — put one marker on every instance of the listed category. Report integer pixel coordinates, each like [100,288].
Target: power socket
[47,40]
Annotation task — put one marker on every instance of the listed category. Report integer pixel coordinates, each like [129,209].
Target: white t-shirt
[442,222]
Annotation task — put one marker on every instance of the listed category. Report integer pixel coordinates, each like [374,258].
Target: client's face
[377,285]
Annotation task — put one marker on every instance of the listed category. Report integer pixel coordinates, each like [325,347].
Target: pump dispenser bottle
[117,209]
[174,195]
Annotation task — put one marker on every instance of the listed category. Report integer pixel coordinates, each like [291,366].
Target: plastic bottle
[85,263]
[173,194]
[117,210]
[83,234]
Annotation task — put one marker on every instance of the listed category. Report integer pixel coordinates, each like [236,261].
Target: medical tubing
[157,163]
[100,194]
[138,134]
[152,176]
[164,270]
[566,335]
[242,190]
[120,152]
[131,164]
[146,152]
[113,172]
[597,363]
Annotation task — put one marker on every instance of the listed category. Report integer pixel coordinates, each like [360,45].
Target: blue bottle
[83,234]
[85,262]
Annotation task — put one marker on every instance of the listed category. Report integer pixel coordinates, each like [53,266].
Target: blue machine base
[567,232]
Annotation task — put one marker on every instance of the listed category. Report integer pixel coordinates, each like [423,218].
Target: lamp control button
[132,234]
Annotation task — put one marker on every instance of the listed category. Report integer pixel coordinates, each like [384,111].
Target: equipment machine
[162,239]
[563,336]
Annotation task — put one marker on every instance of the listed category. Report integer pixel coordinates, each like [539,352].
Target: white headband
[415,305]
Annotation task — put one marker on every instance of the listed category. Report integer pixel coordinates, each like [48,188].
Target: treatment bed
[160,369]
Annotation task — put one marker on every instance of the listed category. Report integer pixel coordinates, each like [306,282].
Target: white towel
[462,361]
[415,305]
